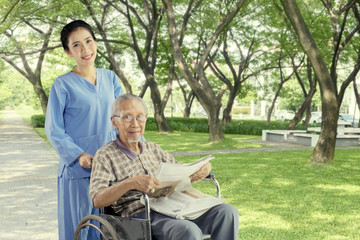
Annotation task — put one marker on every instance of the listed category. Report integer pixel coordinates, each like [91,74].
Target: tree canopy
[215,52]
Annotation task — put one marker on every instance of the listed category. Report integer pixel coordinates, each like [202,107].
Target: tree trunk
[357,96]
[188,104]
[188,98]
[305,105]
[325,147]
[308,116]
[215,126]
[227,111]
[39,90]
[161,122]
[271,109]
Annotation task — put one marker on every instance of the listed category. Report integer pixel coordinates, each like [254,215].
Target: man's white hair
[116,104]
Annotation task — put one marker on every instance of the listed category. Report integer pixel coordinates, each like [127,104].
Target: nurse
[77,124]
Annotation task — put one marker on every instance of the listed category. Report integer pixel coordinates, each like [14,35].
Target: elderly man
[133,164]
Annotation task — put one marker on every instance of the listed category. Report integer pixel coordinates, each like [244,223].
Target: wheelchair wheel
[106,229]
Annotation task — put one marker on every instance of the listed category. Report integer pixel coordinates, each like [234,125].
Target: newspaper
[179,199]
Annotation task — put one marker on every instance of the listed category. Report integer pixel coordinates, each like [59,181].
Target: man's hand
[85,160]
[202,173]
[146,183]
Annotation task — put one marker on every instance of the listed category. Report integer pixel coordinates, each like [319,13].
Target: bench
[314,130]
[352,131]
[342,130]
[306,139]
[341,140]
[279,135]
[347,140]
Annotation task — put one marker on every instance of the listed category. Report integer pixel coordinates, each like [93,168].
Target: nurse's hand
[85,160]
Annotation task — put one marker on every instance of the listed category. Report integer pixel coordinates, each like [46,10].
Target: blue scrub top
[78,118]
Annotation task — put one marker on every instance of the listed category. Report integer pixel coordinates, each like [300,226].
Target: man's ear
[113,122]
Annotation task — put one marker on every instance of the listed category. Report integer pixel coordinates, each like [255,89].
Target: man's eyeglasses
[130,118]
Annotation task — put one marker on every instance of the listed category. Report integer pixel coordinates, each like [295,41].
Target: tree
[283,80]
[242,52]
[14,49]
[356,92]
[144,22]
[208,98]
[327,76]
[27,36]
[101,27]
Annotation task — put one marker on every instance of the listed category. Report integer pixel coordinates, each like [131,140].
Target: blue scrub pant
[74,204]
[221,222]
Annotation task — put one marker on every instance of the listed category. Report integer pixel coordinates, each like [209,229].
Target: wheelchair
[113,227]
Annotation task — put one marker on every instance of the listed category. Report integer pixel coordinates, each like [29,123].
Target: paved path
[28,173]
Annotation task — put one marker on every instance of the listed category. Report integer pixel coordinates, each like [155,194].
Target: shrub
[254,127]
[38,121]
[246,127]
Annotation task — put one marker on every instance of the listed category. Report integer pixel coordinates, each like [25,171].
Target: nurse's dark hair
[71,27]
[124,97]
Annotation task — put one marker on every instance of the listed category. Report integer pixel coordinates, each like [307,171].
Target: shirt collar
[126,150]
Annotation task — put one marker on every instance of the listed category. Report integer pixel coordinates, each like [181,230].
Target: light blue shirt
[78,118]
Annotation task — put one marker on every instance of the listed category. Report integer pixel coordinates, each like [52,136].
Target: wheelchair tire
[104,224]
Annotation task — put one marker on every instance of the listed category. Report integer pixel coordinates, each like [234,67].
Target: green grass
[281,196]
[41,133]
[189,141]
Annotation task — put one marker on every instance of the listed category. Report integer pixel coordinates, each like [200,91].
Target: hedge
[38,121]
[246,127]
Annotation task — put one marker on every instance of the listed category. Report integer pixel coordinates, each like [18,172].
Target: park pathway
[28,178]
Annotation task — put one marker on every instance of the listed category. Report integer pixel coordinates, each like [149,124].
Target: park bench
[306,139]
[341,140]
[352,131]
[347,140]
[280,135]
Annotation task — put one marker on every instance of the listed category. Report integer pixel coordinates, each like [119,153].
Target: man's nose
[135,122]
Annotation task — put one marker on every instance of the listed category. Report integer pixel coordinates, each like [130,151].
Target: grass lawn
[281,196]
[190,141]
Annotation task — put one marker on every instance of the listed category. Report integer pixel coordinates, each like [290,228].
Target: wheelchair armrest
[211,177]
